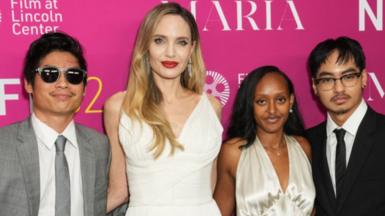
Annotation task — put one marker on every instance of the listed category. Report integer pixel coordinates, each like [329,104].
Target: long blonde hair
[143,97]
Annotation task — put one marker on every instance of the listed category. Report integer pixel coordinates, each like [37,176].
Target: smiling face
[170,47]
[59,98]
[340,100]
[272,102]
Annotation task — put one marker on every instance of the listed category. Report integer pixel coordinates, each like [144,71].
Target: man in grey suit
[50,165]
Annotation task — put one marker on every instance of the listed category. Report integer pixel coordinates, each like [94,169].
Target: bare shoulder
[216,104]
[114,103]
[112,110]
[230,155]
[304,144]
[111,117]
[236,142]
[231,149]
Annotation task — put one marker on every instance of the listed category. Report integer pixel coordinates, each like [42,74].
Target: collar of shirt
[48,136]
[352,123]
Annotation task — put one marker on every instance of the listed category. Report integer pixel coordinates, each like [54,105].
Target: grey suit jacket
[20,173]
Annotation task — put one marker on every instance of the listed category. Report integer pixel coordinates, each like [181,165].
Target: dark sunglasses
[51,74]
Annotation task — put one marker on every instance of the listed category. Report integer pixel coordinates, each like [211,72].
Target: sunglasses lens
[49,75]
[74,75]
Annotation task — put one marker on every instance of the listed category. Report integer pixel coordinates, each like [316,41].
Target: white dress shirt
[351,127]
[46,138]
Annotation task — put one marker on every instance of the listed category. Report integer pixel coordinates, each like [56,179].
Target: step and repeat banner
[237,36]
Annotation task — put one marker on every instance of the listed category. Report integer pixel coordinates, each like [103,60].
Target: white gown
[173,185]
[258,191]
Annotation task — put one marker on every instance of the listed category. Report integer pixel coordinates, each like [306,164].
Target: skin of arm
[117,187]
[224,193]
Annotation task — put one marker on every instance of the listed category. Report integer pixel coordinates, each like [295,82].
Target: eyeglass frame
[39,70]
[356,74]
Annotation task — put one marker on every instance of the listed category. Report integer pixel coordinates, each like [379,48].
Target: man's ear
[28,87]
[314,86]
[364,78]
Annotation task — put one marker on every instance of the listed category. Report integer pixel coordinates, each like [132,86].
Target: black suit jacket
[363,191]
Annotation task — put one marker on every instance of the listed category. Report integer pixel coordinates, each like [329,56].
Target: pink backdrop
[237,36]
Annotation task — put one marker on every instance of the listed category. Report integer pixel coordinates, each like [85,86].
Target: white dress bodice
[258,191]
[178,184]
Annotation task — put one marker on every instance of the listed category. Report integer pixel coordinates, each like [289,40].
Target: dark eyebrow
[280,93]
[326,73]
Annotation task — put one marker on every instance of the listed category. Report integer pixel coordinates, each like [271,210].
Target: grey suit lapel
[28,153]
[87,166]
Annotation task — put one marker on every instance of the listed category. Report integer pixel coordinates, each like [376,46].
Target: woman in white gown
[264,167]
[164,131]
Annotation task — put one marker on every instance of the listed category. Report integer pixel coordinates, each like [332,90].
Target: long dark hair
[242,122]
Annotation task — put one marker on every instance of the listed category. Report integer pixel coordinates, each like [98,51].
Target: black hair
[242,120]
[47,43]
[347,49]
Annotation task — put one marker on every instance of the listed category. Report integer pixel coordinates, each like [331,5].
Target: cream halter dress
[173,185]
[258,191]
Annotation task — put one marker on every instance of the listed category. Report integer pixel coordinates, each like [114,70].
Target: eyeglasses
[51,74]
[328,83]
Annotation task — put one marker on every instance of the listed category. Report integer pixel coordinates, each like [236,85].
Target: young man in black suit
[349,147]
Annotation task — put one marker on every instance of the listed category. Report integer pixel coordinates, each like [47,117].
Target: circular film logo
[217,85]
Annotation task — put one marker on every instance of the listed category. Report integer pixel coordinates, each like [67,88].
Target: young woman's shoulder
[230,155]
[304,144]
[114,103]
[235,142]
[232,147]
